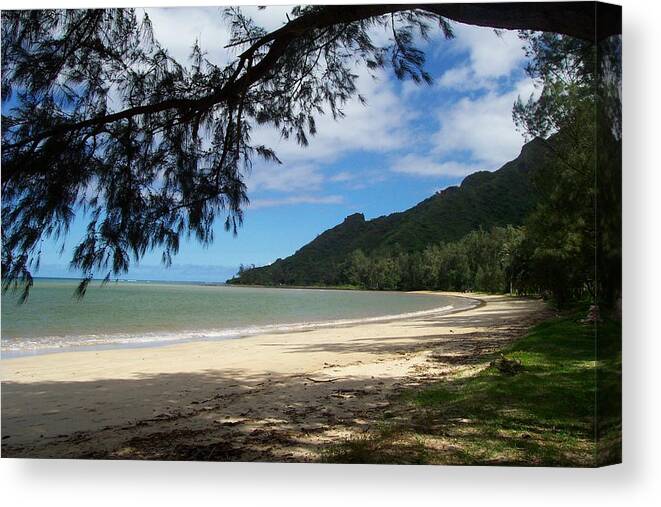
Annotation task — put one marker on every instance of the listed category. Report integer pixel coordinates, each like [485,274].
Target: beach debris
[234,422]
[322,380]
[347,393]
[507,366]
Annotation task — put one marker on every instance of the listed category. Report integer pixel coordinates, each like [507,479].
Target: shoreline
[275,396]
[165,339]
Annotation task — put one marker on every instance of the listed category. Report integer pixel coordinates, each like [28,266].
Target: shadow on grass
[564,409]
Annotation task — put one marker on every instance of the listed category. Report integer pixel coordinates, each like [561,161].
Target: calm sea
[126,314]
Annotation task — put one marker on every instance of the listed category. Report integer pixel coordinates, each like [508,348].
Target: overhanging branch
[576,19]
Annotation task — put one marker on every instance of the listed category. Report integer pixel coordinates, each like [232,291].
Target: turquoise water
[148,313]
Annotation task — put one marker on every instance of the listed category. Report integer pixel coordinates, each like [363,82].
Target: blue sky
[406,143]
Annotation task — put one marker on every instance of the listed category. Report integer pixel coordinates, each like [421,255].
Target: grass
[563,409]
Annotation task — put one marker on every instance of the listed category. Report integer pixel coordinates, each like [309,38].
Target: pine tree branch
[575,19]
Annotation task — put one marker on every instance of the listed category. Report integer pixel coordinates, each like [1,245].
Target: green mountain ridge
[483,200]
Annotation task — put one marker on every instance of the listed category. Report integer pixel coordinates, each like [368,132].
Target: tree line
[481,261]
[500,260]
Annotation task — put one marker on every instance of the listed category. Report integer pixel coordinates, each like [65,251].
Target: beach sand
[272,397]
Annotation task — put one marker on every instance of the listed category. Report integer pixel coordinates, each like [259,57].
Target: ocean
[139,313]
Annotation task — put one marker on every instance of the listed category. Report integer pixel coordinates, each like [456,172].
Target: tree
[512,258]
[99,119]
[576,229]
[357,270]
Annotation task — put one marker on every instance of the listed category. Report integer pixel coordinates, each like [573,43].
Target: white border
[71,483]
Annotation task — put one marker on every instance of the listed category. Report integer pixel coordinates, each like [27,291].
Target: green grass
[544,415]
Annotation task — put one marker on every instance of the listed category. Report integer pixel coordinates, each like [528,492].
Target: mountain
[483,200]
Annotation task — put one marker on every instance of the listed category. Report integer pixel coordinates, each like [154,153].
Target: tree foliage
[481,261]
[575,232]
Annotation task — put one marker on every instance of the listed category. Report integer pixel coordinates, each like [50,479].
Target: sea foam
[50,344]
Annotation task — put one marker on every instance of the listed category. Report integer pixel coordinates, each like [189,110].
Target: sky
[406,143]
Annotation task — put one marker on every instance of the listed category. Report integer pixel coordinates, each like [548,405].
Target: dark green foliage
[483,200]
[574,234]
[480,261]
[609,171]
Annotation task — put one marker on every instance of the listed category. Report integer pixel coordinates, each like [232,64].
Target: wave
[48,344]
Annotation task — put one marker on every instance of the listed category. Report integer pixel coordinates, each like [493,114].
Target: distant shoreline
[352,288]
[323,287]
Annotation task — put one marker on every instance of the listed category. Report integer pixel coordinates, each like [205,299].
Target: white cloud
[377,127]
[177,29]
[455,77]
[357,179]
[342,177]
[482,127]
[475,132]
[270,18]
[380,126]
[298,199]
[284,178]
[490,55]
[429,166]
[464,78]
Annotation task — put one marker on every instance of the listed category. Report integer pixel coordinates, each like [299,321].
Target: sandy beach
[272,397]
